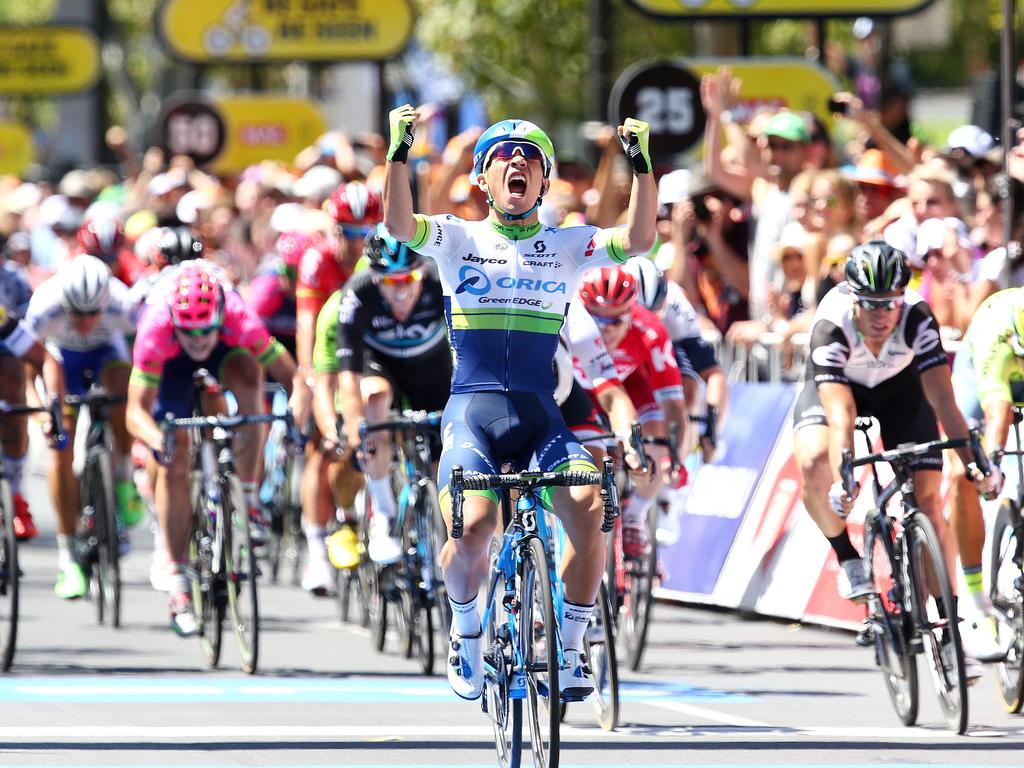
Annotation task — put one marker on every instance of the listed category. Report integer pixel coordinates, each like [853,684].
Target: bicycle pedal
[915,645]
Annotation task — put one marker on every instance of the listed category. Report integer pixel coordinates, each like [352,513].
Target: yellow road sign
[736,8]
[15,148]
[47,60]
[259,129]
[308,30]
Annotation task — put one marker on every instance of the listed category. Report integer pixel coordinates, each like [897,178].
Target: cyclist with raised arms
[875,351]
[507,283]
[642,352]
[381,339]
[83,315]
[196,322]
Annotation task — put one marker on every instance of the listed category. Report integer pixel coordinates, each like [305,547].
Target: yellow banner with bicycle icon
[211,31]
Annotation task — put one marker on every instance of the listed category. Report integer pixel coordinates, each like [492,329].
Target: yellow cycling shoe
[343,547]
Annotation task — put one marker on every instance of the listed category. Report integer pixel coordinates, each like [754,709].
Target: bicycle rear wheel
[638,597]
[936,622]
[9,577]
[416,587]
[506,712]
[209,596]
[599,644]
[106,581]
[888,621]
[240,562]
[433,520]
[1007,593]
[541,654]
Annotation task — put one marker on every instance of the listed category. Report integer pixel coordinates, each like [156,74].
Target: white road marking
[706,714]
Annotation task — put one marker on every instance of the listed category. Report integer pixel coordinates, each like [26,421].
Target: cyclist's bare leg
[14,429]
[810,448]
[171,499]
[580,510]
[464,560]
[377,398]
[243,375]
[927,489]
[965,517]
[317,499]
[115,380]
[63,484]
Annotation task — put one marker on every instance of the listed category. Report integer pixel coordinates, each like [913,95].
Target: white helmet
[652,283]
[84,284]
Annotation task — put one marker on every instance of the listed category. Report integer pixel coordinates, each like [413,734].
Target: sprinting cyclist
[198,322]
[988,378]
[695,357]
[380,340]
[14,297]
[875,351]
[83,315]
[507,283]
[324,267]
[643,356]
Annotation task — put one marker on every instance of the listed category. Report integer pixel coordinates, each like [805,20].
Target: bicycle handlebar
[528,481]
[54,410]
[94,397]
[171,423]
[421,421]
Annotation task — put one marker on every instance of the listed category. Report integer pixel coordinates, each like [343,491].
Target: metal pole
[1007,81]
[599,84]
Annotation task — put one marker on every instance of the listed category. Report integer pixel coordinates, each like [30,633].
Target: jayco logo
[473,281]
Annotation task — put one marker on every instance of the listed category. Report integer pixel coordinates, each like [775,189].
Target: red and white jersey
[320,275]
[592,364]
[647,351]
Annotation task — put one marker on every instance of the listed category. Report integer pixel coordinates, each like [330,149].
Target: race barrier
[746,541]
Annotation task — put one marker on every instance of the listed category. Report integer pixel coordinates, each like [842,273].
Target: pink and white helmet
[196,300]
[290,247]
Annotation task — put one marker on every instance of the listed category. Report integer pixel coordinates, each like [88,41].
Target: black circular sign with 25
[193,128]
[665,95]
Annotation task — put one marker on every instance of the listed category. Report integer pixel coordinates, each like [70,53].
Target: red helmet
[291,246]
[102,238]
[608,288]
[355,203]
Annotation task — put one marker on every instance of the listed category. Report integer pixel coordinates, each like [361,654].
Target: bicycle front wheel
[503,705]
[889,623]
[8,578]
[1007,593]
[209,598]
[106,581]
[936,621]
[638,594]
[541,654]
[240,568]
[599,643]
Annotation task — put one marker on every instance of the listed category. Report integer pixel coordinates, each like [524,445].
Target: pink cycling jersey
[156,343]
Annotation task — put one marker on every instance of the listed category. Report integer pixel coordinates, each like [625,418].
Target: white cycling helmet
[651,281]
[84,284]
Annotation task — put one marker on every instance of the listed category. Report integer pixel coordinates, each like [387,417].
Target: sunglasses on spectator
[506,150]
[353,233]
[402,278]
[84,313]
[781,146]
[611,322]
[887,304]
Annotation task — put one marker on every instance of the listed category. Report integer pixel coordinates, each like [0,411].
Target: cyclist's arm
[716,393]
[398,213]
[998,417]
[283,370]
[675,411]
[138,414]
[641,217]
[350,402]
[938,388]
[324,390]
[614,400]
[841,414]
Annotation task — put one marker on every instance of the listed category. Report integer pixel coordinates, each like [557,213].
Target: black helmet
[178,244]
[877,268]
[386,254]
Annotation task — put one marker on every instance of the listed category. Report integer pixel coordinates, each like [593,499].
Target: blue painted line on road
[491,765]
[201,689]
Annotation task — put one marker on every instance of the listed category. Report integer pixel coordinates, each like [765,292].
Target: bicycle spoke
[9,578]
[1007,595]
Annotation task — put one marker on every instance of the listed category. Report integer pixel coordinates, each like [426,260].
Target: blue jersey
[506,293]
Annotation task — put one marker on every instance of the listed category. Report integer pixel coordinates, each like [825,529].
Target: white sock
[63,551]
[575,619]
[382,496]
[15,466]
[315,543]
[177,580]
[465,619]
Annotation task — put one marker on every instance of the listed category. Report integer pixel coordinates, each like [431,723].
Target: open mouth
[516,182]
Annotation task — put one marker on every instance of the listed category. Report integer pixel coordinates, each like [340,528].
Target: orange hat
[874,167]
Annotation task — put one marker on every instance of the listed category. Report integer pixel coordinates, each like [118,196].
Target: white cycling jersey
[678,314]
[506,293]
[592,364]
[50,321]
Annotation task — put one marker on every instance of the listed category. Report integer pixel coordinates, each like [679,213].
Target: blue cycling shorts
[483,430]
[81,368]
[177,393]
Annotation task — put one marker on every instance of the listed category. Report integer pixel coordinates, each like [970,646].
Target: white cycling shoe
[466,665]
[381,546]
[852,581]
[574,683]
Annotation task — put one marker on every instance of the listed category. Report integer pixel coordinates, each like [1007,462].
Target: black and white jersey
[838,352]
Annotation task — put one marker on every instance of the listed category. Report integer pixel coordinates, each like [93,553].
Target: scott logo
[473,281]
[539,246]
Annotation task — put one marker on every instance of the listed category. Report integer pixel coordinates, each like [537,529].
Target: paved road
[716,688]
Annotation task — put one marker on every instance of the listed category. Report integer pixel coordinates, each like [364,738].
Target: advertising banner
[15,148]
[212,31]
[709,9]
[43,61]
